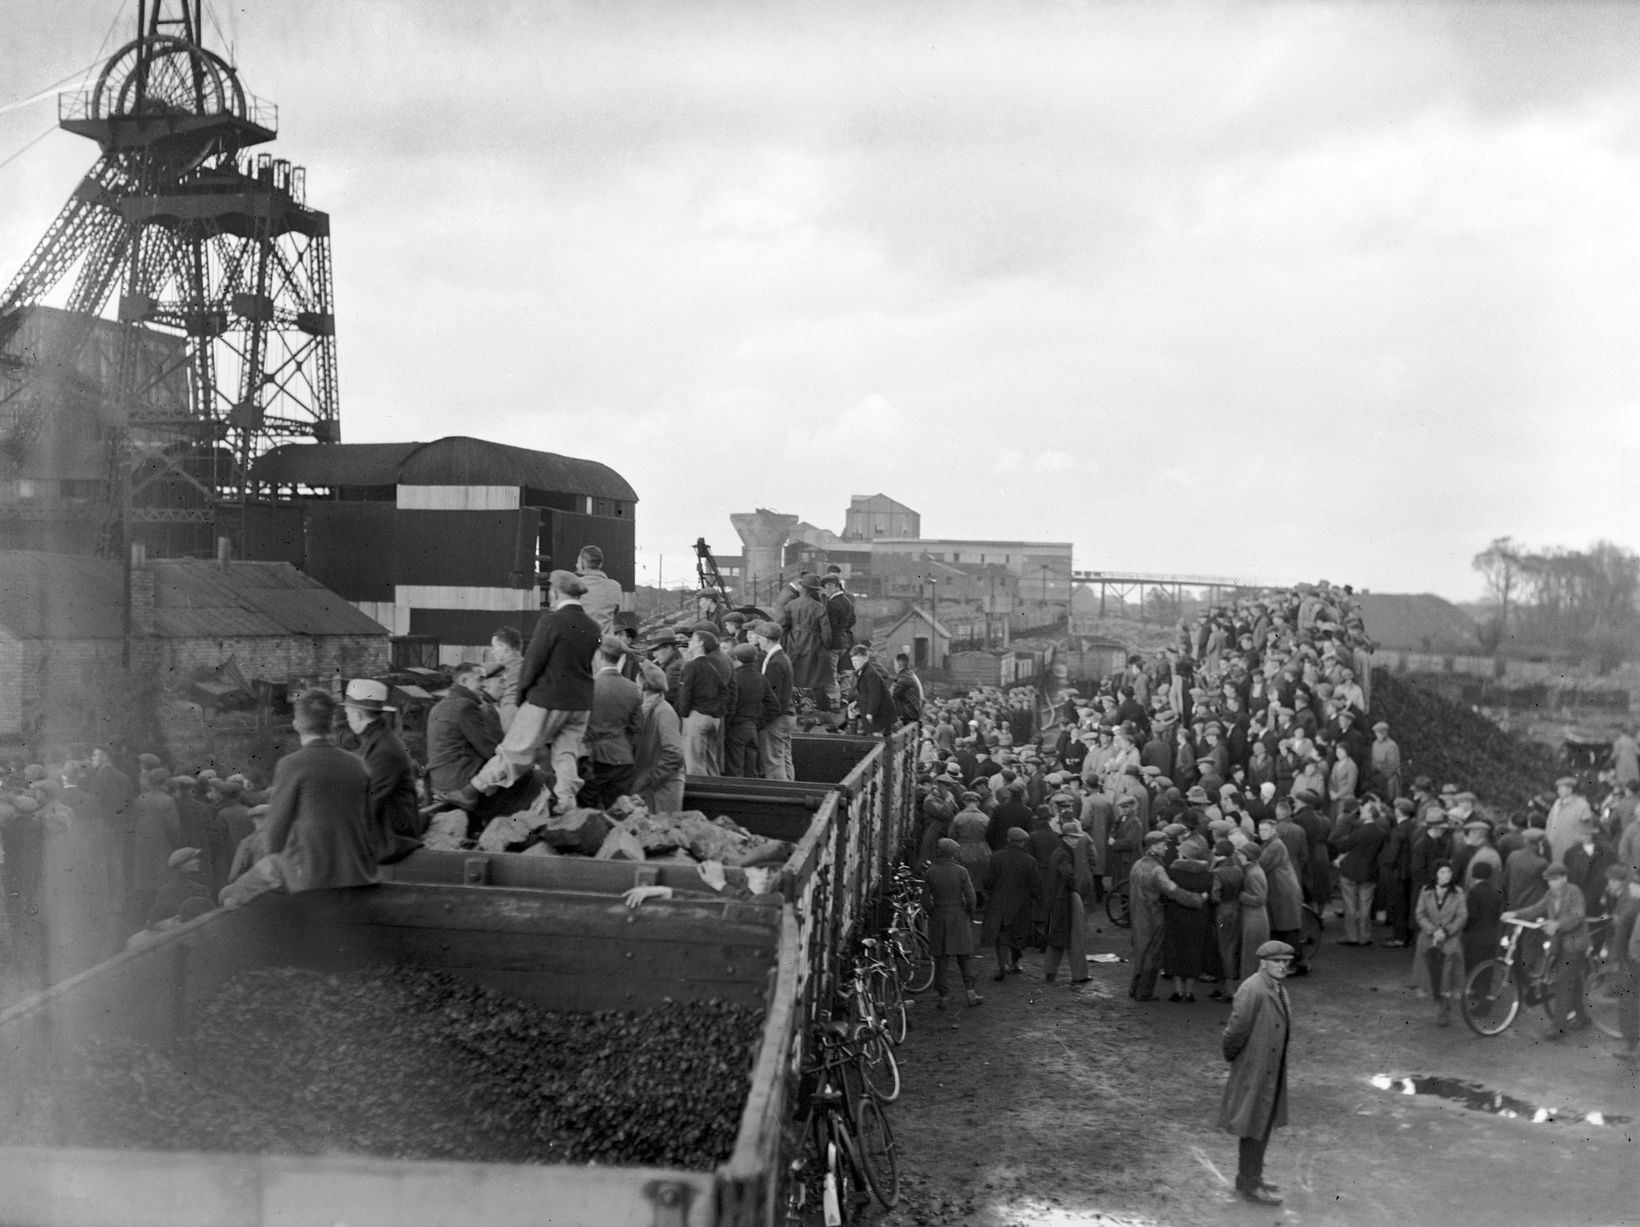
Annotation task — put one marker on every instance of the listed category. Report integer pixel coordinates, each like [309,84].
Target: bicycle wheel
[877,1064]
[922,965]
[879,1159]
[893,1000]
[1119,906]
[1491,997]
[1603,992]
[844,1169]
[1309,935]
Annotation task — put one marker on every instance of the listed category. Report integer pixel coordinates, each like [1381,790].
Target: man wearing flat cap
[184,880]
[1566,815]
[1566,926]
[395,815]
[1255,1043]
[555,700]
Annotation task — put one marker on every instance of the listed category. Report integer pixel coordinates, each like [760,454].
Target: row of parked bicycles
[845,1155]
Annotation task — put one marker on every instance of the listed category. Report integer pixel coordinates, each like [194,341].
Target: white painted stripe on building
[396,618]
[500,600]
[458,498]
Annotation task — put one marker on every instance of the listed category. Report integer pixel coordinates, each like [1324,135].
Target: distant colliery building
[441,542]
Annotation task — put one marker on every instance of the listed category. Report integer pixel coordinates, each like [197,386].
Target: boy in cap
[1566,926]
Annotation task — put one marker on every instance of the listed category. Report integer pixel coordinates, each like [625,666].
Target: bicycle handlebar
[1524,924]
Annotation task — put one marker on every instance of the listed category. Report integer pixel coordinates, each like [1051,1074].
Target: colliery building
[440,542]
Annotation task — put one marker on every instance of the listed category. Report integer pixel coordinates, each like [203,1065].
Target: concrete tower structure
[763,535]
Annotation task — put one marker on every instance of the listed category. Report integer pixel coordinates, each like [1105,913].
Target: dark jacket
[395,814]
[874,693]
[703,689]
[777,672]
[840,613]
[1360,850]
[807,640]
[753,700]
[462,733]
[319,819]
[617,718]
[1012,882]
[557,671]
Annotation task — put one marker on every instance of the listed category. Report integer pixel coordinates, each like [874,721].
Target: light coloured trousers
[531,729]
[703,744]
[1357,909]
[774,746]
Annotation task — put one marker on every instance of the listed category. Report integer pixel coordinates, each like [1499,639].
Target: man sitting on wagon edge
[318,830]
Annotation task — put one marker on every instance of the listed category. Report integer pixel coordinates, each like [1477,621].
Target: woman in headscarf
[1442,913]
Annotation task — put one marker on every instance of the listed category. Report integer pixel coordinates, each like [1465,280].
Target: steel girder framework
[182,233]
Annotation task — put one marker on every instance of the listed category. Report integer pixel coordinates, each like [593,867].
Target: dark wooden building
[440,542]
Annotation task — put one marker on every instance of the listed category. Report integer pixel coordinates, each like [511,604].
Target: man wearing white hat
[395,818]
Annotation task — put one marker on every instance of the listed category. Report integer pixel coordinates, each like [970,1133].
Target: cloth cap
[744,652]
[1478,824]
[1275,950]
[1197,795]
[1127,801]
[1434,817]
[811,582]
[1018,835]
[1568,780]
[946,847]
[1381,724]
[954,768]
[1405,805]
[1224,848]
[366,695]
[1534,835]
[566,582]
[181,857]
[1307,796]
[1556,870]
[767,630]
[654,677]
[1070,827]
[613,645]
[1152,838]
[1174,830]
[24,804]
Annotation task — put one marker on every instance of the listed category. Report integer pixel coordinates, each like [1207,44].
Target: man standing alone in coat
[1255,1044]
[555,700]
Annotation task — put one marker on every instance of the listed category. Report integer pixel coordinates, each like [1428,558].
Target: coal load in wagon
[404,1062]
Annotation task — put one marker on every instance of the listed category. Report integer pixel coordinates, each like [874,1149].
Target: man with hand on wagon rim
[555,689]
[1255,1043]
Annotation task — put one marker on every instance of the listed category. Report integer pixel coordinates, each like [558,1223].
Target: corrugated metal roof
[61,596]
[454,461]
[333,464]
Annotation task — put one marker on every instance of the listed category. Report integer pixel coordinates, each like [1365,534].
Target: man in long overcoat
[951,905]
[1255,1044]
[806,633]
[1012,882]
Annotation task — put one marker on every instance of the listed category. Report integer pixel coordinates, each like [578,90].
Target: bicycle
[1495,990]
[869,1036]
[876,974]
[907,938]
[846,1152]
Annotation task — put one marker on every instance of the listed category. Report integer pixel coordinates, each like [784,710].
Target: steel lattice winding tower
[219,276]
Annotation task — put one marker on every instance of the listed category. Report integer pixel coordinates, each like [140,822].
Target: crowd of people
[96,853]
[1233,782]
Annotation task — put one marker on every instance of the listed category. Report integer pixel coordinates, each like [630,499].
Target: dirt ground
[1053,1106]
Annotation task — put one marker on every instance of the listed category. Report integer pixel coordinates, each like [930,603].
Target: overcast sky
[1275,291]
